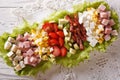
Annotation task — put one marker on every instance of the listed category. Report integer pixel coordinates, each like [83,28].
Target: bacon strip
[77,30]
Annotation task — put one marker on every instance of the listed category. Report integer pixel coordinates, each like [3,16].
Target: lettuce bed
[69,60]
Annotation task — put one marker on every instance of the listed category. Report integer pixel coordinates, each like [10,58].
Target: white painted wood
[14,3]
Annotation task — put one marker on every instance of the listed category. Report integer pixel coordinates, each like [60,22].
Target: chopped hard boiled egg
[94,29]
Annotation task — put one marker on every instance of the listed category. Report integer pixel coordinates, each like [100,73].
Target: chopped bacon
[77,30]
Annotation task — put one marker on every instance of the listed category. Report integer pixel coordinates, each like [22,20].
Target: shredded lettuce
[71,59]
[56,15]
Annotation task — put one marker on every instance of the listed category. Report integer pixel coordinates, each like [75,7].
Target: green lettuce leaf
[56,15]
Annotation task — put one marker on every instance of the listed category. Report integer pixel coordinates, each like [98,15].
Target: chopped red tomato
[53,35]
[56,51]
[53,42]
[61,42]
[60,33]
[63,51]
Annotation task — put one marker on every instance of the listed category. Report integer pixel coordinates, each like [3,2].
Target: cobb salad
[65,38]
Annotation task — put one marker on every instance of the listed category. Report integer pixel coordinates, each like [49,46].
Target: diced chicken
[108,30]
[30,52]
[26,44]
[33,59]
[26,36]
[20,45]
[104,15]
[10,54]
[10,39]
[7,45]
[114,33]
[105,22]
[20,38]
[21,63]
[14,48]
[111,22]
[18,52]
[107,37]
[102,7]
[18,68]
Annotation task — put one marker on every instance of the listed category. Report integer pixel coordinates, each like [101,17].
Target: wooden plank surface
[8,21]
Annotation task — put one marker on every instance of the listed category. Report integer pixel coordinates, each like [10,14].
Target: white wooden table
[98,67]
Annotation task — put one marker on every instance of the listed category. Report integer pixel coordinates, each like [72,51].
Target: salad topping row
[53,39]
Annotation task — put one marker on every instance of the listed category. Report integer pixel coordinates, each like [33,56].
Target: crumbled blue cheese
[18,52]
[10,54]
[18,67]
[10,39]
[22,64]
[15,63]
[7,45]
[18,58]
[14,48]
